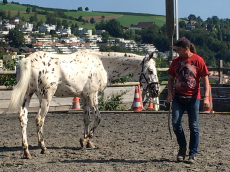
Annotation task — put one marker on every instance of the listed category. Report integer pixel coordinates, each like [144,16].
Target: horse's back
[67,75]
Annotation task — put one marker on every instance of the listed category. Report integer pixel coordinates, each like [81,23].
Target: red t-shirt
[187,73]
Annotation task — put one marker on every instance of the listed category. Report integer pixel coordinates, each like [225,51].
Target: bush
[111,103]
[9,80]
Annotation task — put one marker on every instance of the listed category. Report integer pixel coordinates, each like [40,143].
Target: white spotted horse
[83,74]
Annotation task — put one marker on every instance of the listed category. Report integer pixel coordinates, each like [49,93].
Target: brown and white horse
[83,74]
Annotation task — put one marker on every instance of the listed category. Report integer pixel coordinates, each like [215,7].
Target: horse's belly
[67,90]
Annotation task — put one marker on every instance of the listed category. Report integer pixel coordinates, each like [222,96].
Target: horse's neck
[117,67]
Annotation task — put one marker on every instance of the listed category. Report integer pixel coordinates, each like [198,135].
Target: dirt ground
[125,142]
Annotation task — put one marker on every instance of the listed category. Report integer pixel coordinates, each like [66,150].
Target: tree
[86,9]
[53,33]
[191,17]
[31,19]
[19,14]
[92,20]
[105,36]
[3,13]
[34,9]
[199,20]
[5,2]
[65,23]
[93,31]
[51,18]
[149,34]
[80,18]
[9,15]
[101,25]
[15,38]
[79,9]
[129,34]
[59,24]
[182,24]
[35,17]
[215,20]
[114,28]
[28,10]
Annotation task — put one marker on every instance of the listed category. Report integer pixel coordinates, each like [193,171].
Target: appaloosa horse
[82,74]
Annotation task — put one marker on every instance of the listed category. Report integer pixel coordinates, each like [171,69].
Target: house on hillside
[27,27]
[46,27]
[27,50]
[10,49]
[191,25]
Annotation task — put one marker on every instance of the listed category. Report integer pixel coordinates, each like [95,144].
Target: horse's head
[148,77]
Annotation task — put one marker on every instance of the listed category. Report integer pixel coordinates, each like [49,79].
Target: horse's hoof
[90,145]
[83,142]
[91,135]
[46,151]
[27,156]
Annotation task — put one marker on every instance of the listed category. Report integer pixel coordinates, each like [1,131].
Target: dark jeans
[193,117]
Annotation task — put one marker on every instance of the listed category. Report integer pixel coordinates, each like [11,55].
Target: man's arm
[170,88]
[205,81]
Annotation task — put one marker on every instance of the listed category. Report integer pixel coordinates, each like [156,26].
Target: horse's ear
[153,55]
[150,55]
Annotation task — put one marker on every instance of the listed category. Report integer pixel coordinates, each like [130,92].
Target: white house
[85,33]
[90,45]
[65,31]
[46,27]
[27,27]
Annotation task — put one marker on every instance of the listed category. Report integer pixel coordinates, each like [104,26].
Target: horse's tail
[20,89]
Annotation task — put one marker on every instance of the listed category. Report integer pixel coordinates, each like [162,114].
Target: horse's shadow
[118,161]
[19,148]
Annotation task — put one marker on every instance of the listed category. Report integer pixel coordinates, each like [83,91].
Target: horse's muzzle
[153,89]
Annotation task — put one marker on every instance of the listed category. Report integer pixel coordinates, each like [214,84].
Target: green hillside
[12,7]
[87,14]
[126,19]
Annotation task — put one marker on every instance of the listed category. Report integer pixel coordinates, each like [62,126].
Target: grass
[12,7]
[87,14]
[127,20]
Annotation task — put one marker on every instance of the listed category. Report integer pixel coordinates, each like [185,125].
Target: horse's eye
[150,72]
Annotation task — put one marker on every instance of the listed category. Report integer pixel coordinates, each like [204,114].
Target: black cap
[182,42]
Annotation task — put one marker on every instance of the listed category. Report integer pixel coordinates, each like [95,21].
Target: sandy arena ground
[128,142]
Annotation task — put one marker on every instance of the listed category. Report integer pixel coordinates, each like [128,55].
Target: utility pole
[170,25]
[176,16]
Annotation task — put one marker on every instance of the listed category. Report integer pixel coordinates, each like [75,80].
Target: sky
[202,8]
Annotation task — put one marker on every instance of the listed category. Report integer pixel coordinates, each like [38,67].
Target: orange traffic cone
[76,104]
[210,108]
[139,90]
[150,107]
[137,102]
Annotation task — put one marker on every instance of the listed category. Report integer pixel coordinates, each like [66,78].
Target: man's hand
[169,98]
[206,101]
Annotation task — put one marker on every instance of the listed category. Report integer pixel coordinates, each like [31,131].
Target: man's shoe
[181,154]
[191,159]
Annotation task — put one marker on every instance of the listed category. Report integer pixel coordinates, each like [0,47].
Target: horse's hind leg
[93,103]
[40,118]
[86,115]
[23,118]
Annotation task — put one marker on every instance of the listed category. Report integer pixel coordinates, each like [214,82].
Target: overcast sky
[202,8]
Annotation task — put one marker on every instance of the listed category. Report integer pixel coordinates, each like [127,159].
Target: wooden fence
[220,91]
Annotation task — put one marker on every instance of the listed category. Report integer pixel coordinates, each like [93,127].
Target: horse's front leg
[86,115]
[86,142]
[97,120]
